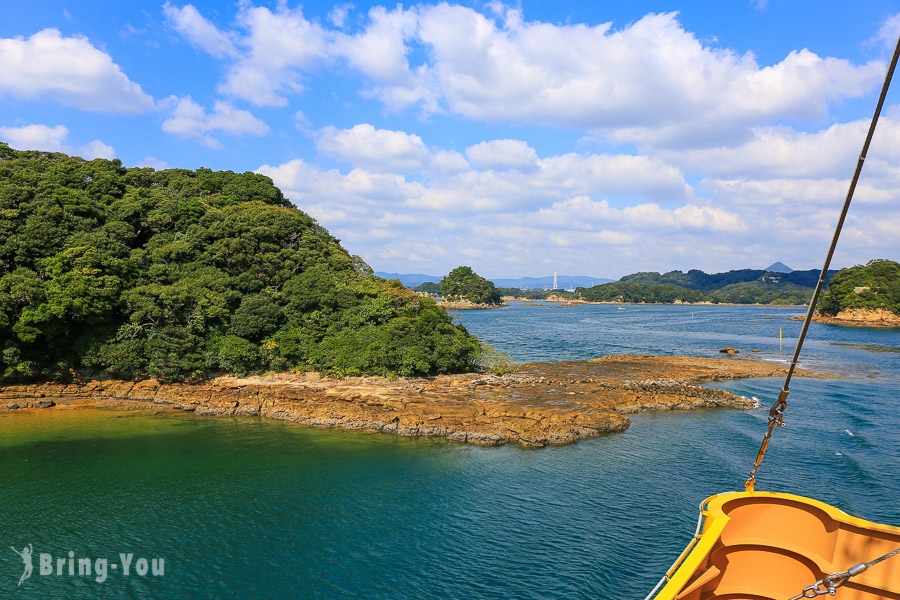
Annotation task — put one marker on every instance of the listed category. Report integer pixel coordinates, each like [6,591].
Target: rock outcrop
[538,404]
[877,317]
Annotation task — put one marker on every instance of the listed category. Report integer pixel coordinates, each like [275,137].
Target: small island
[463,288]
[863,295]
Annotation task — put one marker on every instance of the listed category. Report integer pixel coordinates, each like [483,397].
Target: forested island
[179,274]
[464,288]
[865,294]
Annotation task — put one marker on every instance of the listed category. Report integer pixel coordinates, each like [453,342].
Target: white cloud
[36,137]
[189,120]
[448,161]
[199,31]
[153,163]
[650,82]
[780,151]
[377,149]
[583,213]
[278,47]
[888,33]
[502,154]
[337,16]
[67,70]
[515,215]
[97,149]
[381,52]
[52,139]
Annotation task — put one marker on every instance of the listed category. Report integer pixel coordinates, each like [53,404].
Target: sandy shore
[538,404]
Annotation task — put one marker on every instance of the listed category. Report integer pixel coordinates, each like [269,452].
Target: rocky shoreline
[861,317]
[465,305]
[538,404]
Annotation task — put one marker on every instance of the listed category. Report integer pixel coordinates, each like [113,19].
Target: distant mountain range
[565,282]
[410,280]
[570,282]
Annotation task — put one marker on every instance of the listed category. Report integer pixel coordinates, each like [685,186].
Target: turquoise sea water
[244,508]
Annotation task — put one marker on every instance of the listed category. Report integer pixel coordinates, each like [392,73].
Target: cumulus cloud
[709,172]
[376,149]
[650,82]
[448,161]
[888,33]
[153,163]
[52,139]
[67,70]
[278,47]
[337,16]
[36,137]
[199,31]
[502,154]
[189,120]
[97,149]
[595,202]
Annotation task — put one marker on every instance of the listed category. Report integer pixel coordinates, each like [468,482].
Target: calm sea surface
[243,508]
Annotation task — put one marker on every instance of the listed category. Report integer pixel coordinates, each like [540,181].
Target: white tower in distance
[555,287]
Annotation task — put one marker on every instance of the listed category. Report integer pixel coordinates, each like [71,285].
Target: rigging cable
[776,413]
[829,583]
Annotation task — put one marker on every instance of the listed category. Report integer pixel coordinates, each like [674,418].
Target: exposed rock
[537,405]
[877,317]
[730,351]
[466,305]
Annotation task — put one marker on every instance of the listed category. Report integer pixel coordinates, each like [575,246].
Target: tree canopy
[462,283]
[875,285]
[133,272]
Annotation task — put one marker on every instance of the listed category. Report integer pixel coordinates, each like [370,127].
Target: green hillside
[875,285]
[626,291]
[133,272]
[741,286]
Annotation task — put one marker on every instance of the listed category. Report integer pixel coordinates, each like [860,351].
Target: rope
[830,583]
[776,413]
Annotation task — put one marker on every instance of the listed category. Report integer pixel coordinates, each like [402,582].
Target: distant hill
[565,282]
[410,280]
[778,267]
[698,280]
[740,286]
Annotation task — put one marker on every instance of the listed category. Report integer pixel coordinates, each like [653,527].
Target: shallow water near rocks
[245,508]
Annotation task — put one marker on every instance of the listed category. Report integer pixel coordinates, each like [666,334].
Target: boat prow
[764,545]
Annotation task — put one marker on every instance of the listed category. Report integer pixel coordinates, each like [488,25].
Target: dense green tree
[875,285]
[462,283]
[178,273]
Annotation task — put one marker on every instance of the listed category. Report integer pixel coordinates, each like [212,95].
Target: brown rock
[538,404]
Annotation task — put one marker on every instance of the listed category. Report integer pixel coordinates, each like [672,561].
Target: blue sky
[594,138]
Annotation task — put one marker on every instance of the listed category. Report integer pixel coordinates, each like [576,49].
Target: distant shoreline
[469,305]
[576,301]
